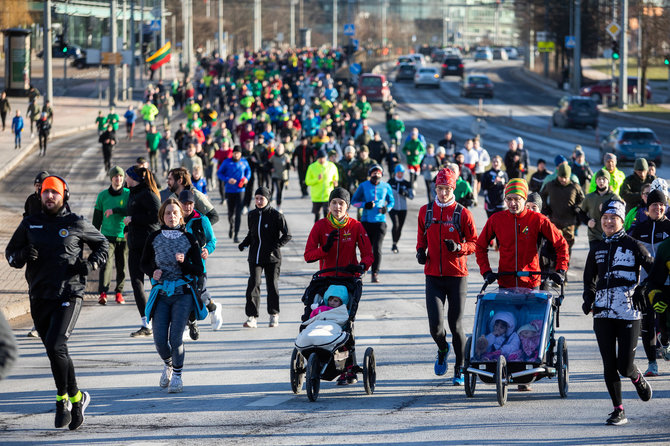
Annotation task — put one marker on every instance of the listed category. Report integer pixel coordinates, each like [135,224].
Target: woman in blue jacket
[376,198]
[235,174]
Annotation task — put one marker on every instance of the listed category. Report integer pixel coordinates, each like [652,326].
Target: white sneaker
[165,377]
[185,336]
[274,320]
[245,210]
[176,385]
[216,318]
[250,323]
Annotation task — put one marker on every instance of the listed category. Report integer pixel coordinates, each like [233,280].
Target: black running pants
[376,232]
[398,221]
[234,205]
[254,288]
[452,291]
[137,277]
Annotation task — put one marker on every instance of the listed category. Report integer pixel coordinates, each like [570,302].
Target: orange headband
[55,184]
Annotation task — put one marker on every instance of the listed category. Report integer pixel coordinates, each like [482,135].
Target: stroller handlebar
[542,274]
[343,269]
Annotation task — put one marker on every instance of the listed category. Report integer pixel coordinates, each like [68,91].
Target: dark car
[575,111]
[629,143]
[453,66]
[405,72]
[603,88]
[477,85]
[73,51]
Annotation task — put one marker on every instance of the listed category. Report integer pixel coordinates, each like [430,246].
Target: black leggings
[278,185]
[611,333]
[652,323]
[376,233]
[234,205]
[398,221]
[440,290]
[54,321]
[137,277]
[254,288]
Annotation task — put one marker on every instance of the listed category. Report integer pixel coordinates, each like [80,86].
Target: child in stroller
[501,339]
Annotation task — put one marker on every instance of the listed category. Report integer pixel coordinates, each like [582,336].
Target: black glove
[369,205]
[82,267]
[332,238]
[241,246]
[421,256]
[29,253]
[490,277]
[382,210]
[558,277]
[355,269]
[639,300]
[586,307]
[658,300]
[452,246]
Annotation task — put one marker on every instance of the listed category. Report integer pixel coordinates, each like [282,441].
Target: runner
[234,173]
[402,190]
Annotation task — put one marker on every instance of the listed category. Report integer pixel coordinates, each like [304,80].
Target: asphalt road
[236,381]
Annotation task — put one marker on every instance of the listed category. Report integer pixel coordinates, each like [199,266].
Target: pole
[220,20]
[65,39]
[640,89]
[124,67]
[258,40]
[577,51]
[302,25]
[142,42]
[546,32]
[162,35]
[292,20]
[112,66]
[384,31]
[48,73]
[132,44]
[334,23]
[623,70]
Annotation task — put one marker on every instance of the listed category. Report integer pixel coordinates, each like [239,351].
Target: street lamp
[445,31]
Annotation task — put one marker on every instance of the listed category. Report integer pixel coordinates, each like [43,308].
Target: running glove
[332,238]
[490,277]
[369,205]
[658,300]
[421,256]
[639,301]
[558,277]
[586,307]
[452,246]
[82,267]
[355,269]
[29,253]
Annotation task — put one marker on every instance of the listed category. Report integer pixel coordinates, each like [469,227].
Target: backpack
[455,219]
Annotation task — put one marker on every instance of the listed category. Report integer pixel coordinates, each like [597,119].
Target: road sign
[112,58]
[355,68]
[613,29]
[354,42]
[570,42]
[349,29]
[542,36]
[546,47]
[155,25]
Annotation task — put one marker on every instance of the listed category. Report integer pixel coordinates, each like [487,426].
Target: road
[236,381]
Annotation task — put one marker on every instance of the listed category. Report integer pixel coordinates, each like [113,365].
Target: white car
[419,59]
[429,76]
[512,52]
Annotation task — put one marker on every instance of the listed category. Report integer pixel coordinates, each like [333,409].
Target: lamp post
[445,31]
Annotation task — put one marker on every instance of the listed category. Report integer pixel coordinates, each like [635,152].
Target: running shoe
[394,249]
[33,333]
[346,379]
[193,330]
[441,362]
[176,385]
[524,388]
[103,299]
[459,379]
[617,418]
[652,369]
[643,388]
[63,413]
[119,299]
[143,331]
[666,352]
[166,376]
[215,317]
[274,320]
[375,277]
[250,323]
[78,410]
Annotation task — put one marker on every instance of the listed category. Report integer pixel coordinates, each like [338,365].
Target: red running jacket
[441,262]
[343,252]
[517,237]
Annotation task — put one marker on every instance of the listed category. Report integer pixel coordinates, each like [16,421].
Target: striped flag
[160,57]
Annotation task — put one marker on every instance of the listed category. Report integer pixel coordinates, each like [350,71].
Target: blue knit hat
[339,291]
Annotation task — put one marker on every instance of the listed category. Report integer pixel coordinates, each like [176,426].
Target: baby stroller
[330,354]
[514,341]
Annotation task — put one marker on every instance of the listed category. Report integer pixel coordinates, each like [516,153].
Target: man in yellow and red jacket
[447,230]
[517,231]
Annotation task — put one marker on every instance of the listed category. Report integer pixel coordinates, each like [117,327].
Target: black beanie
[342,194]
[656,196]
[536,199]
[264,191]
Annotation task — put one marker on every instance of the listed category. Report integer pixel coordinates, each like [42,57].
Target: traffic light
[61,44]
[666,60]
[615,50]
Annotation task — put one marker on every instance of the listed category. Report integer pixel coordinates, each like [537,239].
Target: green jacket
[591,207]
[112,226]
[393,126]
[364,107]
[616,180]
[463,188]
[414,150]
[102,123]
[152,141]
[113,119]
[320,189]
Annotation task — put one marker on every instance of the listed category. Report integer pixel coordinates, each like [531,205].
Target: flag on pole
[160,57]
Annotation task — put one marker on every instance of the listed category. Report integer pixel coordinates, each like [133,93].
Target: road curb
[23,153]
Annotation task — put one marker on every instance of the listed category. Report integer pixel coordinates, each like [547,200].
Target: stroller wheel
[313,378]
[297,371]
[369,371]
[501,380]
[562,367]
[469,378]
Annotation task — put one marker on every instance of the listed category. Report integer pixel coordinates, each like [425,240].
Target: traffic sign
[613,29]
[542,36]
[354,42]
[112,58]
[355,68]
[570,42]
[155,25]
[349,29]
[546,47]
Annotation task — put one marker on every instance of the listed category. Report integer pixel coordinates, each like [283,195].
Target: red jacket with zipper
[441,262]
[517,236]
[343,251]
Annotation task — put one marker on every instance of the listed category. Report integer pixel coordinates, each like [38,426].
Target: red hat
[446,177]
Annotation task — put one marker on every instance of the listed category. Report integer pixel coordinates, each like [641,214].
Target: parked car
[500,54]
[477,85]
[374,86]
[574,111]
[629,143]
[405,72]
[512,53]
[453,66]
[73,51]
[483,54]
[429,76]
[603,88]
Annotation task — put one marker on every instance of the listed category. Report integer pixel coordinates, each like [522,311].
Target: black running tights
[452,291]
[398,221]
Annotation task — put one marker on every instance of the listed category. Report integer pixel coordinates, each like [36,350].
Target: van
[374,86]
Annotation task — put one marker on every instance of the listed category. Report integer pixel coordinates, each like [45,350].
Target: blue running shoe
[441,362]
[459,379]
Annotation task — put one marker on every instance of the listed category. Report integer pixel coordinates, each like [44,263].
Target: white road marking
[270,401]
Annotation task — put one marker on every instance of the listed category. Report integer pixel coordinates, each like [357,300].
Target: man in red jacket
[516,230]
[333,240]
[450,235]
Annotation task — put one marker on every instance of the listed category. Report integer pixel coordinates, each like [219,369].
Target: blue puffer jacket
[236,170]
[381,194]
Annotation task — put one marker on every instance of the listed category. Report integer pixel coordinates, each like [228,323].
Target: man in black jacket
[268,232]
[50,245]
[108,141]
